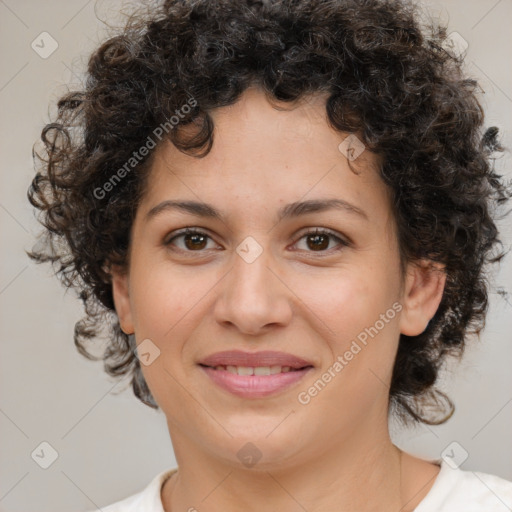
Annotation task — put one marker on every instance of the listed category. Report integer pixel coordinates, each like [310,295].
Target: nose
[252,298]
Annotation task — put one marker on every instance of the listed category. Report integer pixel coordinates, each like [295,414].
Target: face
[320,284]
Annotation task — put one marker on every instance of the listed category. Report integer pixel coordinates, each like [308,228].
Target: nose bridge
[252,297]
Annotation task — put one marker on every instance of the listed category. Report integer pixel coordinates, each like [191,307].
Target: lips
[256,374]
[255,359]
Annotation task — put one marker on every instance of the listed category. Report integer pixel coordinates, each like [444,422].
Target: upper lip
[254,359]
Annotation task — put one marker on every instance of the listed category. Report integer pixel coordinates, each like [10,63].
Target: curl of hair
[388,79]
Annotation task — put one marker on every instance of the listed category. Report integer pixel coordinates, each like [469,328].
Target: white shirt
[454,490]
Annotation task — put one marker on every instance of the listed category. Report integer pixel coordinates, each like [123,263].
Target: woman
[285,212]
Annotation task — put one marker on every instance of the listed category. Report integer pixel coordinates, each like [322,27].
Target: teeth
[259,370]
[262,370]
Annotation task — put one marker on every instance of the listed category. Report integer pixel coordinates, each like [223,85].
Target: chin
[262,448]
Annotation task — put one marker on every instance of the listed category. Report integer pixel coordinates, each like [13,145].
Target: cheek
[359,315]
[164,296]
[167,306]
[350,302]
[355,375]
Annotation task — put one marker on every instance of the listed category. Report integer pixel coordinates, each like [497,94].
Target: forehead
[265,155]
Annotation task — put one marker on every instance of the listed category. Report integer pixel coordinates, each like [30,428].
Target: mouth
[254,375]
[258,370]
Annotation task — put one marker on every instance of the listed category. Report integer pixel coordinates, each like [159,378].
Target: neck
[357,474]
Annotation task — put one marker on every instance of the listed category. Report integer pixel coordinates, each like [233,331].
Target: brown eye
[192,241]
[320,240]
[195,241]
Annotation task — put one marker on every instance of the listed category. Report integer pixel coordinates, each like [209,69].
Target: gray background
[110,445]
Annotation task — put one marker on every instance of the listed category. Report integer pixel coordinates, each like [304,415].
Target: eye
[319,240]
[193,240]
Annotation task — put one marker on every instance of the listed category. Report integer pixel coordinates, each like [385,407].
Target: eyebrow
[288,211]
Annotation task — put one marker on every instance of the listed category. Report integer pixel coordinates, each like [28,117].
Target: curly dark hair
[388,78]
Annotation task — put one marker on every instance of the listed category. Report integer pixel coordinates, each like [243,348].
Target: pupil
[191,241]
[316,239]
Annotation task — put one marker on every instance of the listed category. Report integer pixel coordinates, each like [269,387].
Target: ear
[423,291]
[121,295]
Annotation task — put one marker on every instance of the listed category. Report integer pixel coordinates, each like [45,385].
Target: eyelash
[318,231]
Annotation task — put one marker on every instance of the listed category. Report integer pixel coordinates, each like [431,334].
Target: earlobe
[423,291]
[121,295]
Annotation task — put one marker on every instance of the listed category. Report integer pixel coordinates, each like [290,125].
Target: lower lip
[254,386]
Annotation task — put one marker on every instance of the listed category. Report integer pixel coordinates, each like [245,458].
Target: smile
[254,382]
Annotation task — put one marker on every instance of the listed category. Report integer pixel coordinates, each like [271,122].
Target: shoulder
[469,491]
[148,499]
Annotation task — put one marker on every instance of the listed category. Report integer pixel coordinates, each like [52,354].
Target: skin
[327,454]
